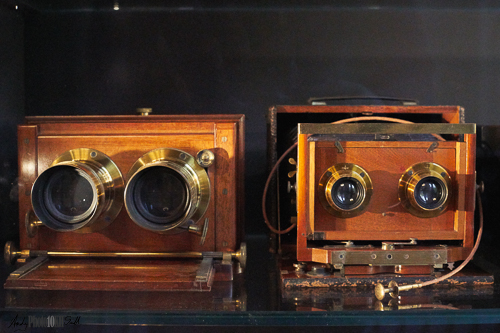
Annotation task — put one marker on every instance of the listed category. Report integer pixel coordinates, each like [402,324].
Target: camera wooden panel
[385,163]
[125,139]
[384,219]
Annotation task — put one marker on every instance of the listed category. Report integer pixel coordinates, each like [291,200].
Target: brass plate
[390,257]
[385,128]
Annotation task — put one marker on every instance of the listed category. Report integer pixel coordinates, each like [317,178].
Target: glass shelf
[255,298]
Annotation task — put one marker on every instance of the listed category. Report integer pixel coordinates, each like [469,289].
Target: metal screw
[317,271]
[300,267]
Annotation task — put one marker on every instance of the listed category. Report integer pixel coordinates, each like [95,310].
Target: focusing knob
[205,158]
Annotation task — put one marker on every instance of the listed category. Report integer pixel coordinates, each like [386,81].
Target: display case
[108,58]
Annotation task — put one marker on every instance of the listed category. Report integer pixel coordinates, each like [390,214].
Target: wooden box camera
[384,195]
[100,192]
[394,192]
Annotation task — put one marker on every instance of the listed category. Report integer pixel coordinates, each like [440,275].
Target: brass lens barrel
[345,190]
[425,189]
[81,191]
[167,191]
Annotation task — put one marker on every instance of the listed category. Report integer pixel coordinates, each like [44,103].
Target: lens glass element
[161,195]
[68,195]
[347,193]
[429,192]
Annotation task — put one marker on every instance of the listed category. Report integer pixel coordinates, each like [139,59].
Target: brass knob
[393,289]
[205,158]
[241,255]
[10,253]
[144,111]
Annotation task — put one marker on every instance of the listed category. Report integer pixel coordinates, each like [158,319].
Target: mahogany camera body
[131,189]
[384,196]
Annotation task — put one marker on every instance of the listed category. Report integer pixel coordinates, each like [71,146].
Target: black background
[84,58]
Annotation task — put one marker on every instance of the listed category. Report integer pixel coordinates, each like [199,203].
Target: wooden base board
[118,274]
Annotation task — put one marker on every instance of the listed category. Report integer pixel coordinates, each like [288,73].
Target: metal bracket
[339,147]
[431,256]
[205,271]
[25,269]
[391,245]
[31,223]
[339,270]
[316,236]
[200,230]
[348,244]
[432,147]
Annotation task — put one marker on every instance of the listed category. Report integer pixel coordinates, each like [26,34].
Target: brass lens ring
[81,191]
[424,189]
[345,190]
[167,191]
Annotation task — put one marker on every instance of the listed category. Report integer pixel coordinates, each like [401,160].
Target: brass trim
[195,177]
[334,174]
[11,253]
[385,128]
[107,184]
[31,223]
[409,181]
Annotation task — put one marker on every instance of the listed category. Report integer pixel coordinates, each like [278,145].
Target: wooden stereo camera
[379,194]
[151,202]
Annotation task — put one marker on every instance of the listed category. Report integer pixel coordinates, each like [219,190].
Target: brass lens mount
[81,191]
[187,185]
[425,189]
[345,190]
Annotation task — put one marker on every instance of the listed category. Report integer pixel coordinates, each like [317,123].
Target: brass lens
[167,191]
[344,190]
[424,189]
[81,191]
